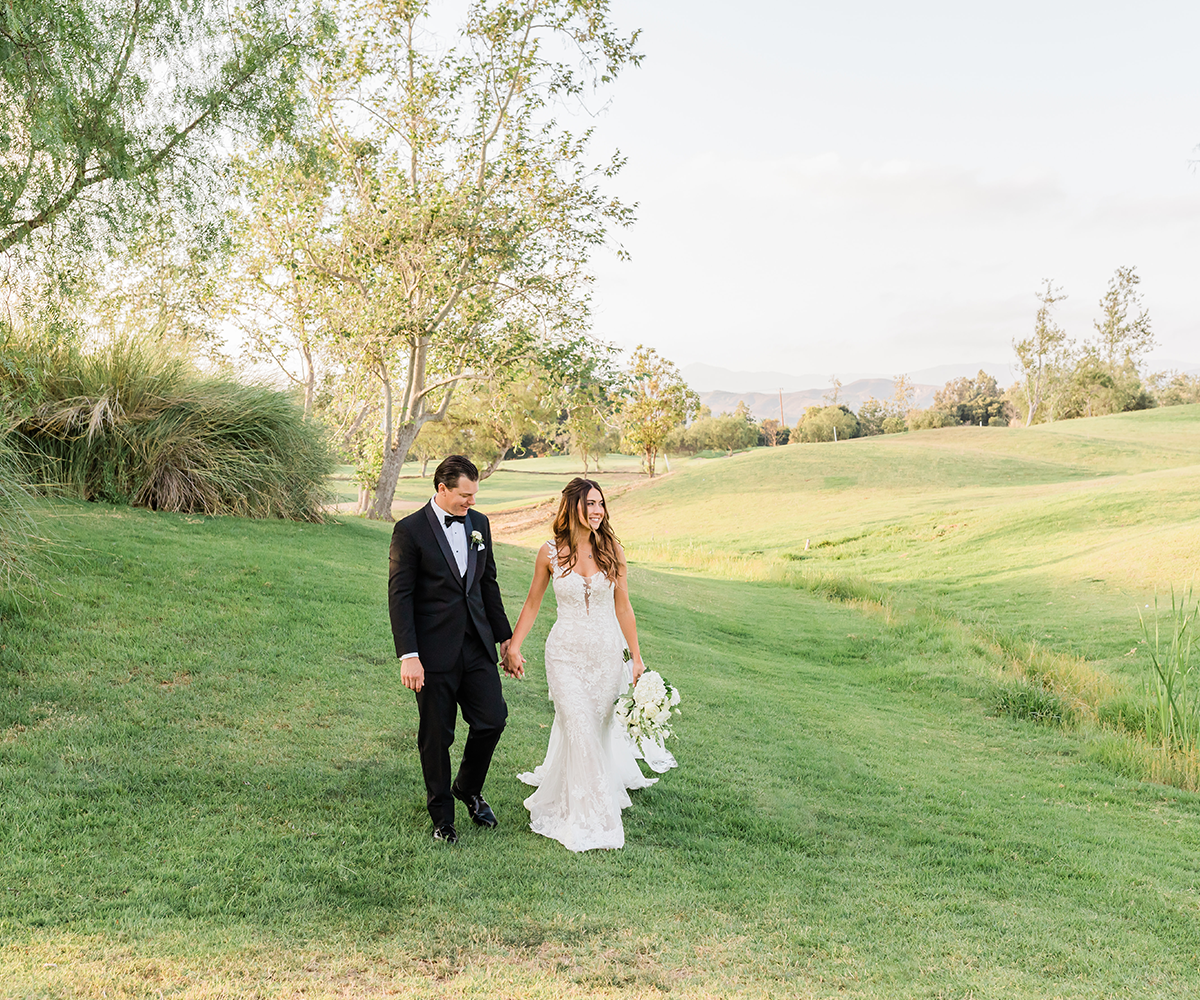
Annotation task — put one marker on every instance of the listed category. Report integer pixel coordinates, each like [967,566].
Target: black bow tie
[451,518]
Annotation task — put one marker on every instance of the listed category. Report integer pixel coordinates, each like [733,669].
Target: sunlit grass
[519,482]
[209,787]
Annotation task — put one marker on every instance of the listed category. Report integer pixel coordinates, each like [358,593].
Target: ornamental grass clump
[16,523]
[132,422]
[1173,705]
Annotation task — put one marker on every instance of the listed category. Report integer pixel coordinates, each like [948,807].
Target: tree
[871,415]
[1124,339]
[99,101]
[1041,358]
[589,432]
[275,297]
[884,417]
[732,432]
[1105,376]
[969,401]
[496,414]
[1177,388]
[827,423]
[928,419]
[439,439]
[463,214]
[658,399]
[770,432]
[591,390]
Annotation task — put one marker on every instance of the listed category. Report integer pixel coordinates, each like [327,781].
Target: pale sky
[881,186]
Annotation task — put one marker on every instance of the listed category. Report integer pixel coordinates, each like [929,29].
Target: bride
[590,762]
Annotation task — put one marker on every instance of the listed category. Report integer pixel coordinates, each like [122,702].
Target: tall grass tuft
[132,422]
[1173,712]
[16,522]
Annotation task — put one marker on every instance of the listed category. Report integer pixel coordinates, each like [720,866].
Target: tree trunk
[389,475]
[310,380]
[494,464]
[424,466]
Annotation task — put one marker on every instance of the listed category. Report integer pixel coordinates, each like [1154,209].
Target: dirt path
[536,522]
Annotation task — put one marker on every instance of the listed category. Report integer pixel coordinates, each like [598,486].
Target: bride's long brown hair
[569,517]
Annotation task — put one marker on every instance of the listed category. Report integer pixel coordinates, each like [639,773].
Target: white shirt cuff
[408,656]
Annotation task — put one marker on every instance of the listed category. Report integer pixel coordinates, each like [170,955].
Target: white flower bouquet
[646,717]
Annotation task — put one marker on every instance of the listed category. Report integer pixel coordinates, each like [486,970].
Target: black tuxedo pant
[474,685]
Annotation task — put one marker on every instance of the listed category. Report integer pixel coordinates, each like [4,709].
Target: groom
[447,617]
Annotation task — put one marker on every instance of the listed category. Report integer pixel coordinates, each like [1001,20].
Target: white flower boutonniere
[477,541]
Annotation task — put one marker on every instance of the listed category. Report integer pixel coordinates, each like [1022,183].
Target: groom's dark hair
[452,468]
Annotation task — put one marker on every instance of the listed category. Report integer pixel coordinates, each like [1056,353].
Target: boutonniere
[477,541]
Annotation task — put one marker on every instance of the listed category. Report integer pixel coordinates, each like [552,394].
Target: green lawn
[209,787]
[1056,534]
[515,483]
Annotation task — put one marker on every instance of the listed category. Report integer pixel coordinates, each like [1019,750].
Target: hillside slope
[210,788]
[1058,532]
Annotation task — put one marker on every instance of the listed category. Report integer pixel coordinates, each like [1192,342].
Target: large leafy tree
[462,209]
[101,101]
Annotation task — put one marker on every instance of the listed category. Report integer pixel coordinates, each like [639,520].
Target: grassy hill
[1057,533]
[209,784]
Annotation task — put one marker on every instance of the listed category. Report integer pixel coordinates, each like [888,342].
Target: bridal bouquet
[646,715]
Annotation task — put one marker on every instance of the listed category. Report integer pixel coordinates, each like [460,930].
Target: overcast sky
[881,186]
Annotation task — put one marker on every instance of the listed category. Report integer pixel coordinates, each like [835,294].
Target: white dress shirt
[456,535]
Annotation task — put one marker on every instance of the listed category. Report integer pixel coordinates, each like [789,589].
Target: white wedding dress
[590,761]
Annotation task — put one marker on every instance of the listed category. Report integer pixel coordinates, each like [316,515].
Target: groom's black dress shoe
[445,833]
[477,809]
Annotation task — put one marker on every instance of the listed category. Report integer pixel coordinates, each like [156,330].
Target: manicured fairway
[1058,534]
[517,482]
[209,788]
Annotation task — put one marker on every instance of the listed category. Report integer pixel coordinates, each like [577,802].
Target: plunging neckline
[565,570]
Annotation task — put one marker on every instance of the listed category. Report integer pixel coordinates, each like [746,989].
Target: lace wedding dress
[590,761]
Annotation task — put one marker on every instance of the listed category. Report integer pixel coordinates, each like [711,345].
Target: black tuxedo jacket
[429,603]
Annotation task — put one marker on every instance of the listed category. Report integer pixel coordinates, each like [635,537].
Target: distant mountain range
[721,389]
[766,404]
[708,378]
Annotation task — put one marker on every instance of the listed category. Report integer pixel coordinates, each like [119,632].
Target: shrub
[1177,388]
[726,434]
[819,423]
[133,423]
[923,420]
[871,415]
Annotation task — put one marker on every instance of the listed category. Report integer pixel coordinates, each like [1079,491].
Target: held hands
[512,660]
[412,674]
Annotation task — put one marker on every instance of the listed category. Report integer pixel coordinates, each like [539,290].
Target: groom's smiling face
[457,499]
